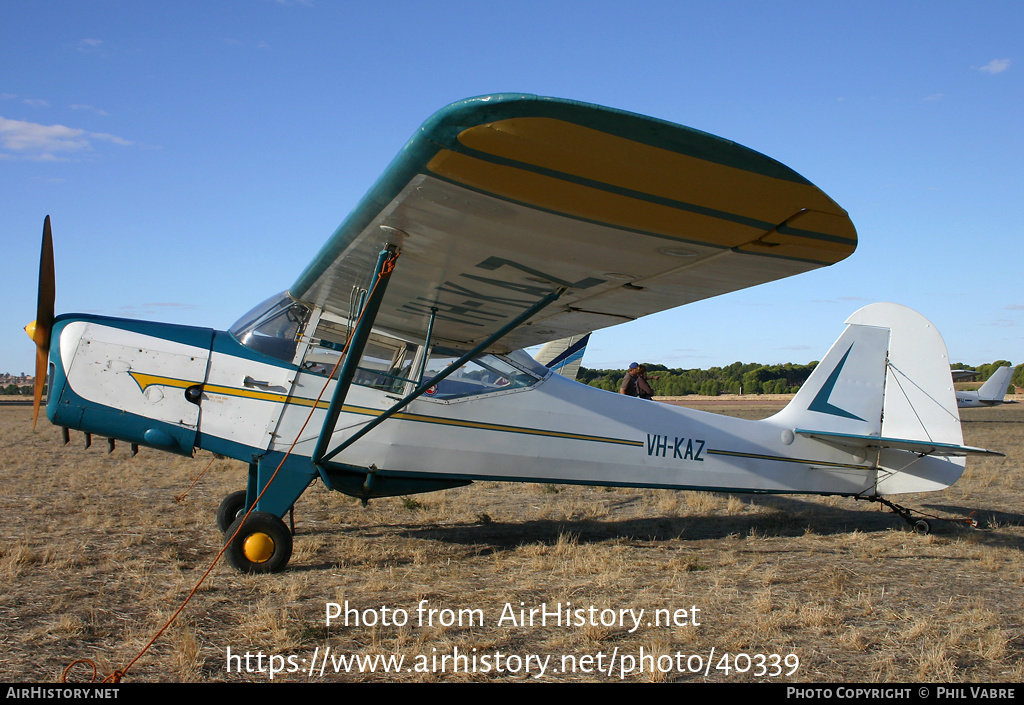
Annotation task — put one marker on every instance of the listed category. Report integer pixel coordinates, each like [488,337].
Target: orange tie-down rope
[181,497]
[116,676]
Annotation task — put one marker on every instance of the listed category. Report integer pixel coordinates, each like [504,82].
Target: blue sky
[194,156]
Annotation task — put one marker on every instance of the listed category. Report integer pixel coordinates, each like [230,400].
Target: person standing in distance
[628,386]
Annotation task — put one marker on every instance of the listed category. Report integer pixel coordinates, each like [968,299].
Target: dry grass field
[97,553]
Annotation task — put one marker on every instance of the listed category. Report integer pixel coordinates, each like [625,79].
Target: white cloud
[30,140]
[104,137]
[20,136]
[996,66]
[90,44]
[90,108]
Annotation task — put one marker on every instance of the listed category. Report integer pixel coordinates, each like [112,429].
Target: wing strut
[329,424]
[426,343]
[385,264]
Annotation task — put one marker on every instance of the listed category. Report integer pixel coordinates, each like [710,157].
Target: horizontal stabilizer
[849,440]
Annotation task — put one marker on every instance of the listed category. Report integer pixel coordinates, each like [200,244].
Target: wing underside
[499,200]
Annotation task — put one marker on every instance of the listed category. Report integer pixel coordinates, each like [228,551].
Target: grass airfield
[97,553]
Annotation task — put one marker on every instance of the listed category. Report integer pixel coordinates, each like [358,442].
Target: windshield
[273,327]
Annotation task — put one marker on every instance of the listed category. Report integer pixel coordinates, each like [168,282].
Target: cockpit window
[386,363]
[273,327]
[481,375]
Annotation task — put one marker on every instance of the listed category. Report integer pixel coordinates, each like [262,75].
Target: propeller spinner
[39,329]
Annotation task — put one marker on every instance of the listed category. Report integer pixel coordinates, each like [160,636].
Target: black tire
[922,527]
[228,510]
[270,548]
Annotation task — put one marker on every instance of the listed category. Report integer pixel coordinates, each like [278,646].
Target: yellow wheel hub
[258,547]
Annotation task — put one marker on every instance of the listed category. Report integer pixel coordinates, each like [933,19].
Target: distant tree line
[742,378]
[737,378]
[15,389]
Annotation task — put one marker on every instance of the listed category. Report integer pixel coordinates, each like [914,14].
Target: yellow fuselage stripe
[145,380]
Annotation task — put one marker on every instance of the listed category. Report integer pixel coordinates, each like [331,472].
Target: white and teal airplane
[992,393]
[395,362]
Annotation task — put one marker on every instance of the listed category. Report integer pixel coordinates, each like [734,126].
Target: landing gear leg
[263,543]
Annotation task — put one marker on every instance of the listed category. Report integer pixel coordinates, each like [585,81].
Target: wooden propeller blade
[40,382]
[44,317]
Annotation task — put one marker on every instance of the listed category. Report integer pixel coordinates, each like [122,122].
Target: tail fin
[845,392]
[884,390]
[564,356]
[995,386]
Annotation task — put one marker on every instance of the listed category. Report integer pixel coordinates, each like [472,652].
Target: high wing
[499,200]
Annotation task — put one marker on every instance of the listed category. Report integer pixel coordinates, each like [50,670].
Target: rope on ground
[181,496]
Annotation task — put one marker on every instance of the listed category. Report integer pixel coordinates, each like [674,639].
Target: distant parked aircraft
[990,394]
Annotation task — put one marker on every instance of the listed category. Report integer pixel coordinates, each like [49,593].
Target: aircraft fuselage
[177,388]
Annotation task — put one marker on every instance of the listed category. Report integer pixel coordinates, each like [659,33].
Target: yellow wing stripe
[581,201]
[587,153]
[611,171]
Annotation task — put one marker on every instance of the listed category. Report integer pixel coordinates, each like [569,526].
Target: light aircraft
[990,394]
[395,363]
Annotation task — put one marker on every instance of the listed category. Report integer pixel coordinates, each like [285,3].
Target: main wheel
[264,544]
[229,509]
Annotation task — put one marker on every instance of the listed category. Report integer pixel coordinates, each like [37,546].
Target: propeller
[39,329]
